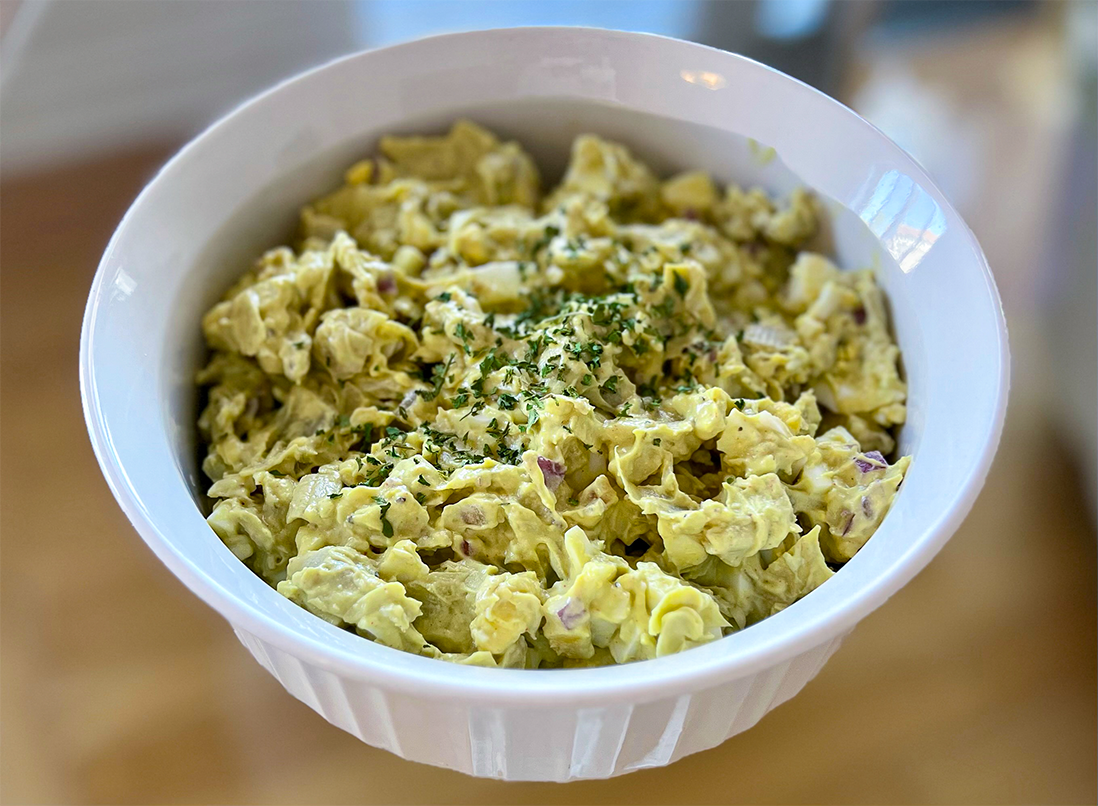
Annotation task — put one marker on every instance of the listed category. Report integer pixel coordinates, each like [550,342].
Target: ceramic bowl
[234,191]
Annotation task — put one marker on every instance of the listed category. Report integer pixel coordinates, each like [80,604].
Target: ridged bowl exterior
[540,744]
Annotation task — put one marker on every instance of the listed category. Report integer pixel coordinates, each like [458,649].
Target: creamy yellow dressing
[608,423]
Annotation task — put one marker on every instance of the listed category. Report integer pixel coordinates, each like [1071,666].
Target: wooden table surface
[974,684]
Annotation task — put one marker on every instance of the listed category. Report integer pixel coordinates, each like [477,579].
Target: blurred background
[975,684]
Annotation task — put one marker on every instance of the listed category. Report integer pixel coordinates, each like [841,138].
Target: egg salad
[484,423]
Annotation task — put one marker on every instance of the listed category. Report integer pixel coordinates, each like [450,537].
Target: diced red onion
[690,214]
[849,520]
[386,284]
[859,315]
[466,548]
[571,614]
[702,347]
[867,508]
[868,462]
[552,472]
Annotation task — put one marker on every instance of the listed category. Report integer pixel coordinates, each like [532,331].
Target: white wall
[98,75]
[84,77]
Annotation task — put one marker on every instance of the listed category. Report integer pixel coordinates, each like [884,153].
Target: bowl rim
[657,678]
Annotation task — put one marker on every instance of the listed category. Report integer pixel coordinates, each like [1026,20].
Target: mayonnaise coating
[607,423]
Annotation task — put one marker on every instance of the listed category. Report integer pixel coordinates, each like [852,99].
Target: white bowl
[235,190]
